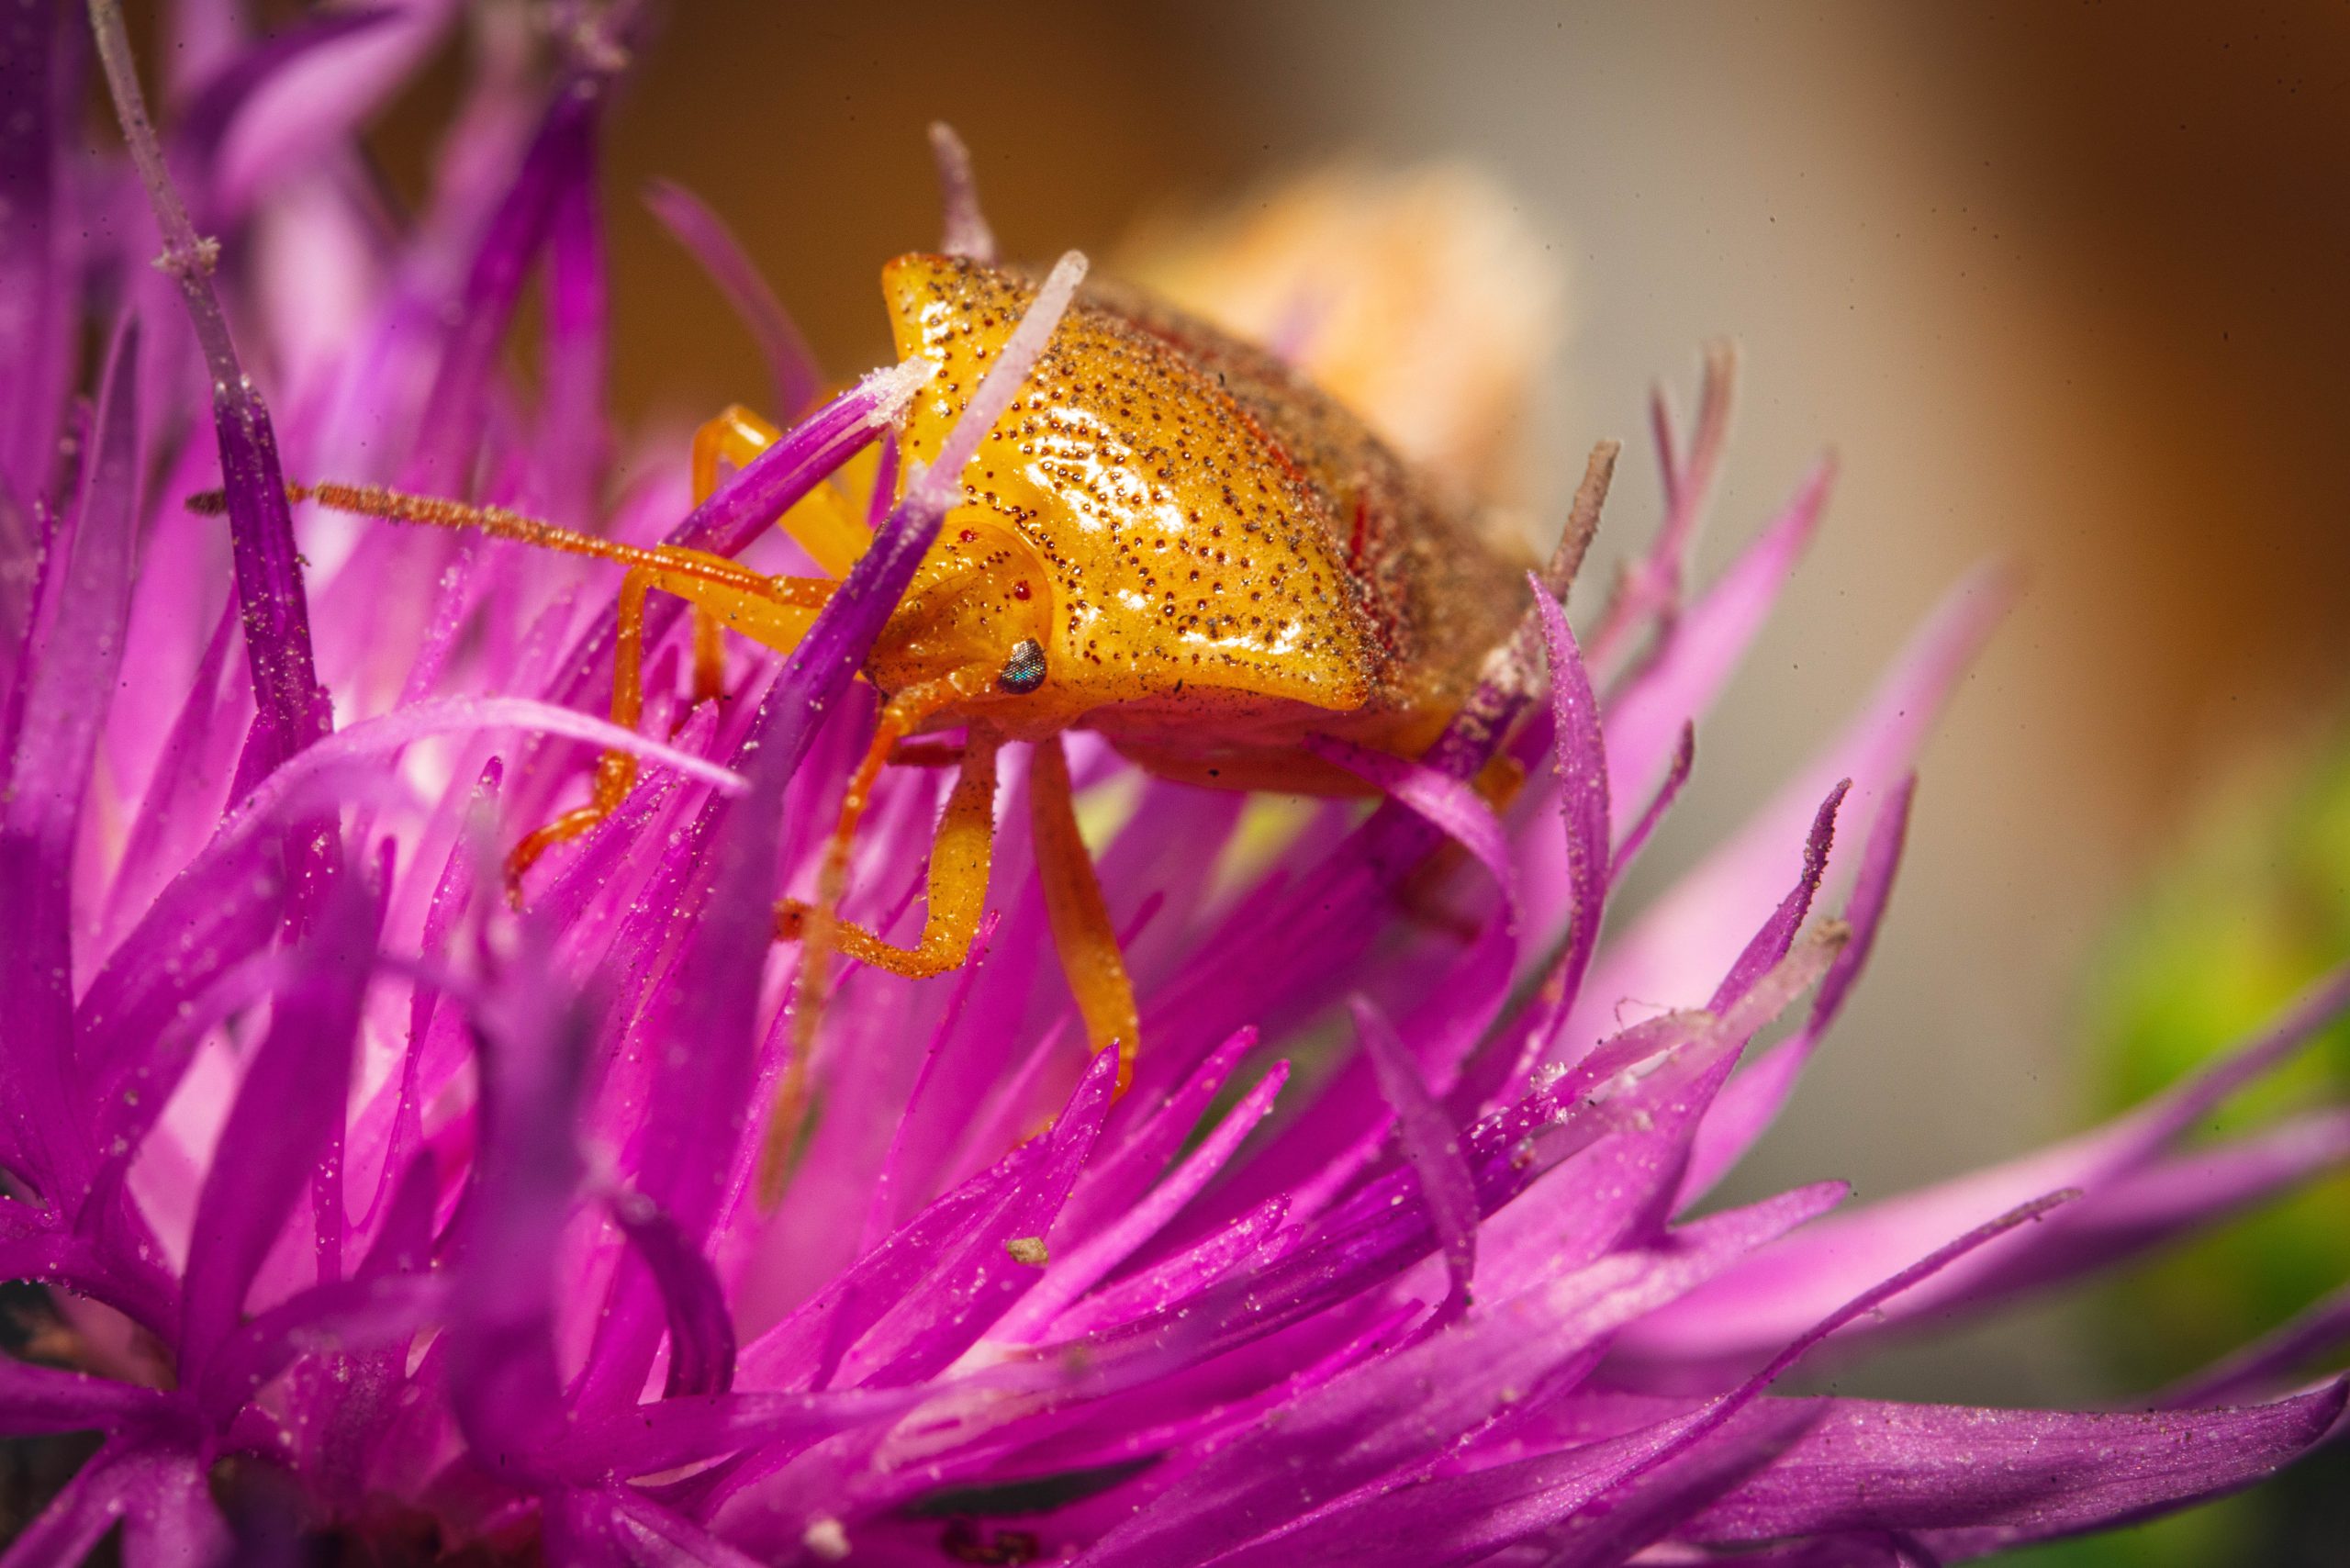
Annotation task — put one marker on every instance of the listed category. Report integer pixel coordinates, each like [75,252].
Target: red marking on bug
[966,536]
[1019,589]
[1360,535]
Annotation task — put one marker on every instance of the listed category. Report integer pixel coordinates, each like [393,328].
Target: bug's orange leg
[823,522]
[1080,921]
[615,770]
[960,854]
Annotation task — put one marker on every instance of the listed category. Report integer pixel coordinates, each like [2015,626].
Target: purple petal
[622,1529]
[1751,1102]
[2258,1367]
[791,365]
[573,446]
[1400,1414]
[288,1109]
[1650,591]
[698,1102]
[1644,721]
[1684,756]
[330,1320]
[1772,1297]
[687,1429]
[561,156]
[45,1399]
[1432,1146]
[701,1332]
[967,232]
[1690,936]
[1770,944]
[271,604]
[1143,1136]
[304,93]
[157,1494]
[1069,1278]
[772,483]
[64,685]
[504,1382]
[39,70]
[1490,1508]
[1999,1477]
[976,1280]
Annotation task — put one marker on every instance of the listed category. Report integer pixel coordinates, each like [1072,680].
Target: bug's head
[978,611]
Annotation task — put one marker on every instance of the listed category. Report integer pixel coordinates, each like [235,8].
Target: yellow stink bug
[1168,537]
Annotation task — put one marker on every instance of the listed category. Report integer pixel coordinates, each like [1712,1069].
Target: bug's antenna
[967,233]
[435,512]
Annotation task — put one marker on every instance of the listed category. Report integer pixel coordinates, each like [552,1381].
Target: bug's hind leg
[615,770]
[823,522]
[1080,921]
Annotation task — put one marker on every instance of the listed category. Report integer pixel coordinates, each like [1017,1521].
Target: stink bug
[1168,537]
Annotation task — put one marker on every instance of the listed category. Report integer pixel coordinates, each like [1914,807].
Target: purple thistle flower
[377,1210]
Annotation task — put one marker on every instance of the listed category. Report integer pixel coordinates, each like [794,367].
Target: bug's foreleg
[1082,934]
[823,522]
[615,770]
[960,852]
[774,612]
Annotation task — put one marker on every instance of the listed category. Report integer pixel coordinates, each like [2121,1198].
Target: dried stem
[187,256]
[1510,671]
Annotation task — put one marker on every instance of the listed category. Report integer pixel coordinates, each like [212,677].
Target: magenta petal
[1106,1249]
[1688,937]
[329,83]
[560,155]
[344,1316]
[272,607]
[701,1332]
[504,1383]
[1636,837]
[56,743]
[1432,1146]
[1777,1292]
[44,1399]
[1150,1134]
[289,1109]
[157,1494]
[1645,720]
[1999,1477]
[791,365]
[1753,1100]
[1770,944]
[1402,1412]
[40,69]
[1585,772]
[975,1280]
[773,482]
[615,1528]
[2259,1367]
[647,1438]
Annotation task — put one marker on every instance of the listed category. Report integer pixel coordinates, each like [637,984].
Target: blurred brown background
[2060,282]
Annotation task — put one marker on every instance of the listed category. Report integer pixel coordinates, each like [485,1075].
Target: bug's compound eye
[1024,670]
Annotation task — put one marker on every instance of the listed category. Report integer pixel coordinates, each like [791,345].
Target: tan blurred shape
[1420,296]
